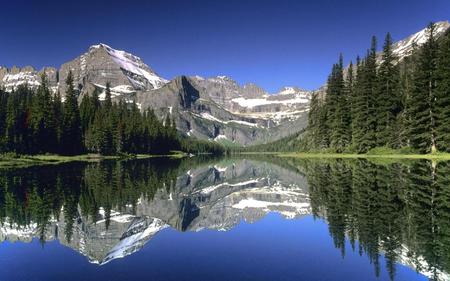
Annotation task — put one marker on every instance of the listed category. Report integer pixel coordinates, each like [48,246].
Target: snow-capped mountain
[215,108]
[101,64]
[405,47]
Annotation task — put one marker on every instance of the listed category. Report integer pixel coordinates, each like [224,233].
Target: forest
[383,101]
[39,122]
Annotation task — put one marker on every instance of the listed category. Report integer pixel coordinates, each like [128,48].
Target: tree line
[384,102]
[33,122]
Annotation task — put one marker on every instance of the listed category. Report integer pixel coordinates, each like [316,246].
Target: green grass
[378,154]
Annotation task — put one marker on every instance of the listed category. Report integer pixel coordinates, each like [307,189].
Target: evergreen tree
[71,134]
[442,96]
[58,114]
[389,99]
[108,101]
[422,127]
[43,123]
[338,108]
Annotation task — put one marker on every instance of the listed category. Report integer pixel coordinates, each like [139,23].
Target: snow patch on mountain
[208,116]
[405,47]
[250,103]
[287,91]
[134,65]
[12,81]
[115,91]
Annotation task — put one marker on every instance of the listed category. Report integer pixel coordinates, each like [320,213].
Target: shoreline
[23,161]
[437,156]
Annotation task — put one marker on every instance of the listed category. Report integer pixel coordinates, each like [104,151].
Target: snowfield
[250,103]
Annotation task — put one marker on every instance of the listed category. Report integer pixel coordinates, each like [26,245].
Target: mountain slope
[216,108]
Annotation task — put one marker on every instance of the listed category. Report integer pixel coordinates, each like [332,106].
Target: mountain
[405,47]
[215,108]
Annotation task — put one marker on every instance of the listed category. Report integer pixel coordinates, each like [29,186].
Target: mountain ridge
[215,108]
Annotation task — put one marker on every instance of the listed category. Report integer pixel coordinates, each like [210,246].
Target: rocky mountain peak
[406,46]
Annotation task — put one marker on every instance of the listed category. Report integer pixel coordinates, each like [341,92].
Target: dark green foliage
[389,99]
[338,109]
[422,130]
[367,90]
[387,103]
[71,129]
[442,95]
[317,122]
[38,122]
[42,119]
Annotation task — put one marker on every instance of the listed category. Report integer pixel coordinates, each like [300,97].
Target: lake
[244,218]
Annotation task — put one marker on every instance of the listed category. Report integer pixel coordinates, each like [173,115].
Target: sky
[271,43]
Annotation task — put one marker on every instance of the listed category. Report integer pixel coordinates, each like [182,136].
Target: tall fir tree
[71,133]
[370,91]
[108,101]
[42,120]
[422,130]
[389,97]
[340,119]
[58,114]
[364,102]
[442,96]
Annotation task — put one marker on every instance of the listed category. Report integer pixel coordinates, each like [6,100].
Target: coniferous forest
[382,101]
[36,122]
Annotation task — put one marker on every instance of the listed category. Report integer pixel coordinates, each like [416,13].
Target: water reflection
[401,210]
[109,210]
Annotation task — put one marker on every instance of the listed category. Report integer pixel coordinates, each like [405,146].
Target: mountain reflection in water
[111,209]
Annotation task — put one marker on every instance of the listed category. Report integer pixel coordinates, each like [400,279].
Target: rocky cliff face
[12,78]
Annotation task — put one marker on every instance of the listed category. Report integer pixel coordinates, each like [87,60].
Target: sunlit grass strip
[433,156]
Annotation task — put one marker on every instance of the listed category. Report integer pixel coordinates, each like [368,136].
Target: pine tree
[43,121]
[314,121]
[442,105]
[364,102]
[348,106]
[370,91]
[340,122]
[422,130]
[58,114]
[407,70]
[71,134]
[389,99]
[108,101]
[357,106]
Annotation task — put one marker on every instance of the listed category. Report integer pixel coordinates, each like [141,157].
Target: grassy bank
[432,156]
[379,152]
[17,161]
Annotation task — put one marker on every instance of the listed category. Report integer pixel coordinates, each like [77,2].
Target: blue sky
[271,43]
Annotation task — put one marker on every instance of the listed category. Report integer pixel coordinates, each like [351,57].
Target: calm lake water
[226,219]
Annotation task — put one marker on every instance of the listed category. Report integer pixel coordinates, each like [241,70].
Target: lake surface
[226,219]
